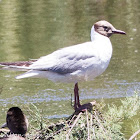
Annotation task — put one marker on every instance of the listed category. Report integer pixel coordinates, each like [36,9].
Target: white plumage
[76,63]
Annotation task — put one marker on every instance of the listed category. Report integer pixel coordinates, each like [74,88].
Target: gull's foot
[84,107]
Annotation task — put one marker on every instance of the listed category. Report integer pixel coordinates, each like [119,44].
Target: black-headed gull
[82,62]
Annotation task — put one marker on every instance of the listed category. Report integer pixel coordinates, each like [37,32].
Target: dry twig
[67,137]
[88,125]
[134,135]
[98,120]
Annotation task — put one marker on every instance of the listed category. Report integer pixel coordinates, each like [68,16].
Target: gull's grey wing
[67,60]
[72,65]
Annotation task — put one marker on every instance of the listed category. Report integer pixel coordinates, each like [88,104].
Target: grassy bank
[99,122]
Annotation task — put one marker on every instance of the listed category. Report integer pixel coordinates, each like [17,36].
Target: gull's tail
[30,73]
[18,66]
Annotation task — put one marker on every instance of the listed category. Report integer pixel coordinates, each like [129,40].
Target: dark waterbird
[17,123]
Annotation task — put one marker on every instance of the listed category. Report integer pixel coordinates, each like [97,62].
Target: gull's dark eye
[106,28]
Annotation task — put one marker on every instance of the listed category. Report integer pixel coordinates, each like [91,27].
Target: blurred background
[31,29]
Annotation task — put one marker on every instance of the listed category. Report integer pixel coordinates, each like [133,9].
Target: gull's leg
[76,97]
[78,100]
[77,106]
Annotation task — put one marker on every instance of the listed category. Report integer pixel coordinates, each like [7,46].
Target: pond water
[31,29]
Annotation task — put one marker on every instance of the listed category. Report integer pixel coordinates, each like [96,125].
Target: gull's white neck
[102,44]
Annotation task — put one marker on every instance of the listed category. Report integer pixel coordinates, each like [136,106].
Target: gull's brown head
[105,28]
